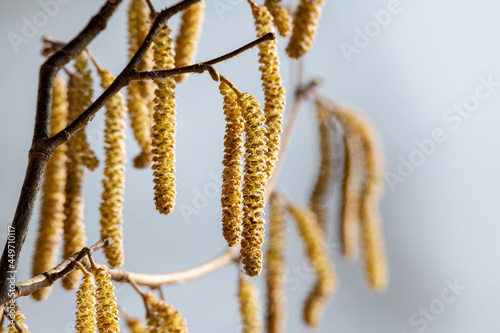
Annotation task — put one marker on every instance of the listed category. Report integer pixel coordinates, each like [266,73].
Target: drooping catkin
[275,267]
[140,93]
[162,317]
[231,198]
[274,92]
[114,175]
[248,296]
[52,201]
[106,306]
[281,18]
[322,188]
[254,184]
[85,306]
[305,24]
[136,326]
[80,98]
[19,317]
[317,252]
[164,126]
[371,233]
[186,41]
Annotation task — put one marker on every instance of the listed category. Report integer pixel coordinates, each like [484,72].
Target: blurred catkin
[106,306]
[274,92]
[281,18]
[114,175]
[50,228]
[322,188]
[231,198]
[140,93]
[85,306]
[186,41]
[162,317]
[80,93]
[254,184]
[20,320]
[305,24]
[164,126]
[317,252]
[248,296]
[275,267]
[136,326]
[371,233]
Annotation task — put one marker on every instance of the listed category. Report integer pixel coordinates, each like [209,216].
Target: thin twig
[231,85]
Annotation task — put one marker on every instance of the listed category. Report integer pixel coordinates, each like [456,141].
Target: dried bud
[305,24]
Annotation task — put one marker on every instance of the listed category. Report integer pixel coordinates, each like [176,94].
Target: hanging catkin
[114,175]
[188,37]
[281,17]
[80,98]
[85,305]
[136,326]
[248,296]
[321,190]
[162,317]
[275,267]
[371,233]
[140,93]
[305,24]
[231,198]
[106,306]
[52,201]
[317,252]
[274,92]
[164,126]
[254,184]
[20,320]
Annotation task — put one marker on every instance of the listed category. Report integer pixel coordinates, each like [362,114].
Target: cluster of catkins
[15,319]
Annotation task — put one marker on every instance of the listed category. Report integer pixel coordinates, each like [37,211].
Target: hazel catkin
[248,296]
[305,24]
[186,41]
[52,201]
[19,317]
[85,306]
[231,198]
[162,317]
[281,18]
[114,175]
[136,326]
[106,306]
[164,126]
[254,184]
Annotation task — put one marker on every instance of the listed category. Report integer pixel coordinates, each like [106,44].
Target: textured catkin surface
[281,18]
[186,41]
[254,183]
[51,221]
[231,198]
[305,25]
[85,306]
[106,306]
[114,175]
[162,317]
[272,85]
[248,296]
[164,126]
[275,267]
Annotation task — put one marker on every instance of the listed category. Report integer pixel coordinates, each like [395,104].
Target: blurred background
[416,68]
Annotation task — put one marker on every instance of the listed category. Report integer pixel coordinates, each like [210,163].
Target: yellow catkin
[281,18]
[20,320]
[136,326]
[80,98]
[186,41]
[254,184]
[305,24]
[248,296]
[164,126]
[52,201]
[321,190]
[371,233]
[140,93]
[275,267]
[106,306]
[274,92]
[85,306]
[114,175]
[317,252]
[162,317]
[231,197]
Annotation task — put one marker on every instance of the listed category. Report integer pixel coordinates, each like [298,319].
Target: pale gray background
[439,224]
